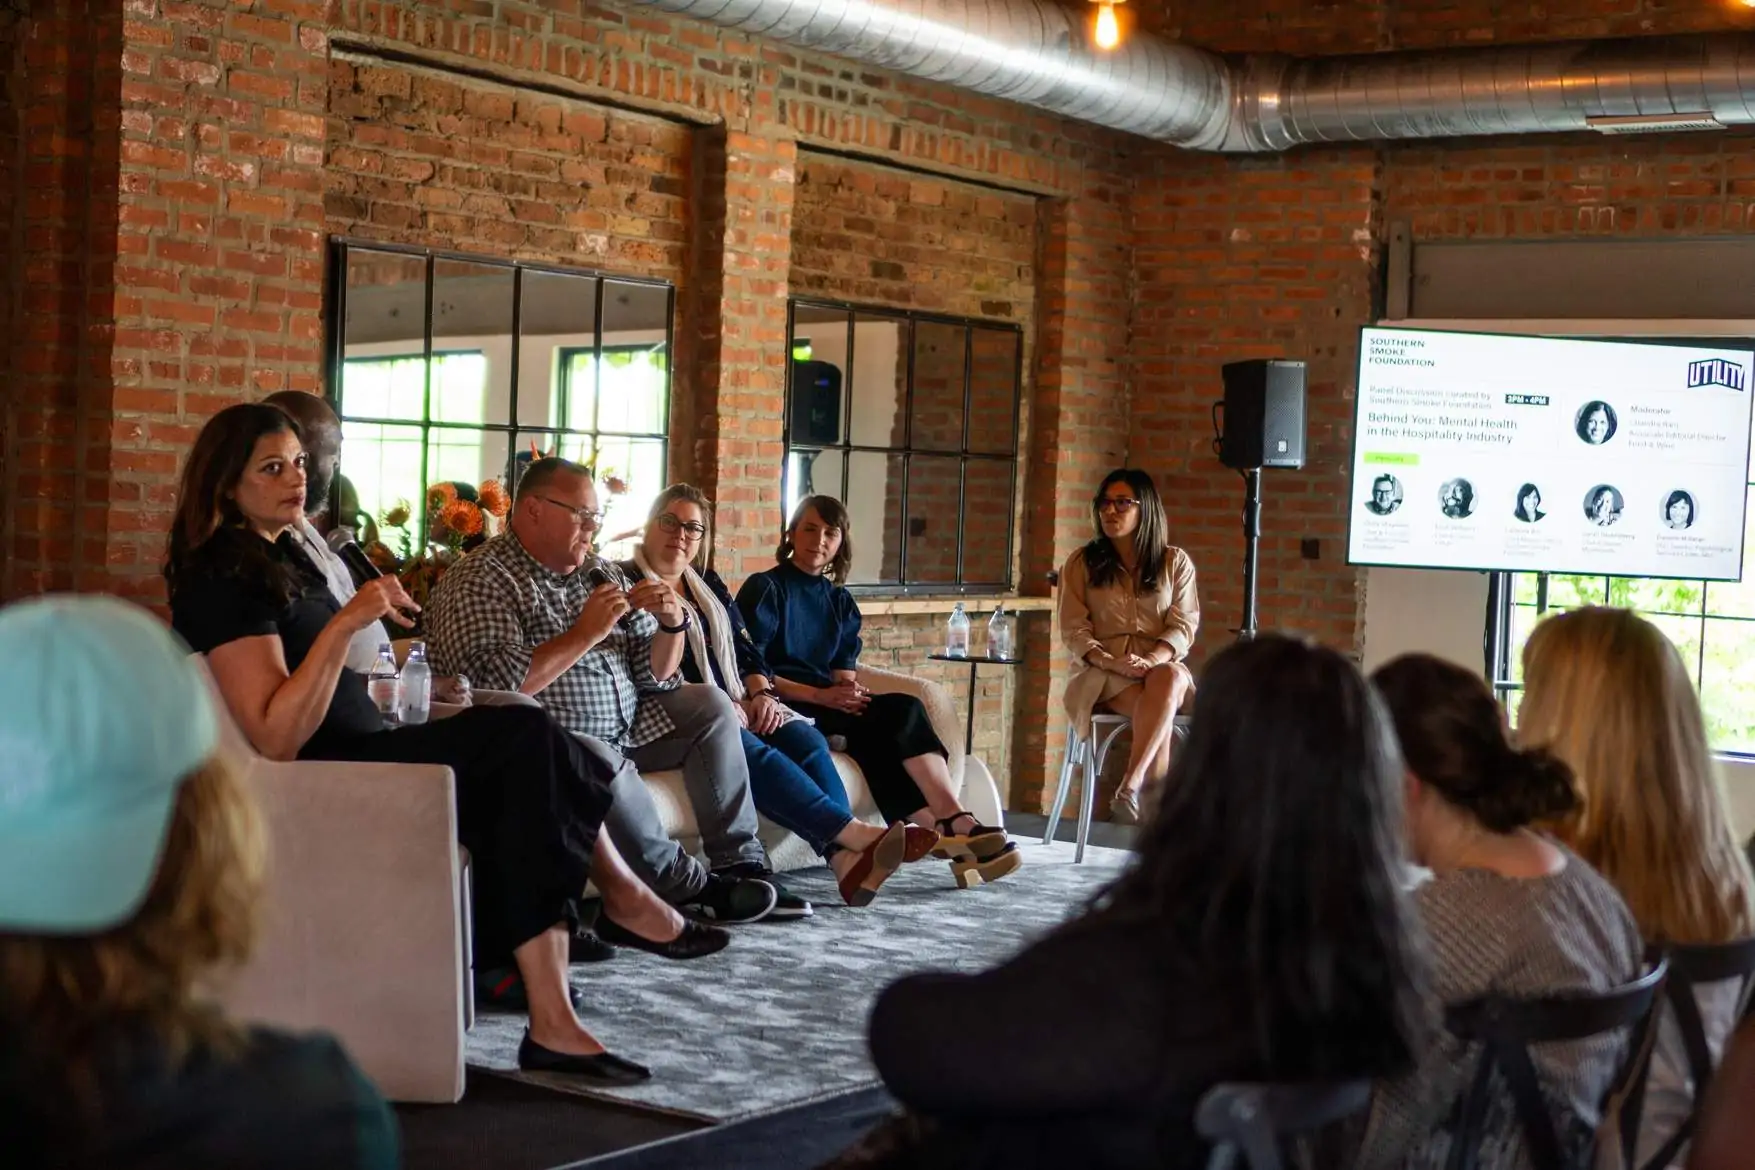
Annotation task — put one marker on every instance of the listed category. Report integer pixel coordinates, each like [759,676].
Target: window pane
[1572,592]
[993,391]
[812,473]
[637,465]
[1656,596]
[1684,634]
[987,505]
[934,483]
[879,377]
[386,319]
[940,355]
[1524,587]
[634,382]
[557,316]
[1523,621]
[472,312]
[1727,690]
[381,465]
[1738,599]
[819,376]
[874,505]
[384,387]
[459,387]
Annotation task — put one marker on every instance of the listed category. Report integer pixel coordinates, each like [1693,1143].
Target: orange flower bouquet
[458,517]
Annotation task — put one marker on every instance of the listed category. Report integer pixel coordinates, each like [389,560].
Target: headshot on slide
[1529,504]
[1679,510]
[1457,498]
[1596,423]
[1602,505]
[1386,495]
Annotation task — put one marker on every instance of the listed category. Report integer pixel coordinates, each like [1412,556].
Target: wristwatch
[679,627]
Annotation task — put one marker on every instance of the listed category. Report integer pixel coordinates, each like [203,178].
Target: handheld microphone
[358,563]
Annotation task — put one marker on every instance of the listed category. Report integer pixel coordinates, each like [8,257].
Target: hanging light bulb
[1108,32]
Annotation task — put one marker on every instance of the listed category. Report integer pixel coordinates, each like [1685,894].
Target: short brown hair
[67,994]
[834,514]
[543,472]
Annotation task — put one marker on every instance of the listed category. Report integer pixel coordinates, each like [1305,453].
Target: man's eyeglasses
[693,530]
[1123,504]
[587,517]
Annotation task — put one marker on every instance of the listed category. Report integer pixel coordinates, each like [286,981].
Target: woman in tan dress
[1128,614]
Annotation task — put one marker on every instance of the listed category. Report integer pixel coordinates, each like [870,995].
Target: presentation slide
[1536,454]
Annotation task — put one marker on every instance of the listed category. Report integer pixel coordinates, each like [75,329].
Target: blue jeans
[795,784]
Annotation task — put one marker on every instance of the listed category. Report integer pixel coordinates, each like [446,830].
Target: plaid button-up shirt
[496,605]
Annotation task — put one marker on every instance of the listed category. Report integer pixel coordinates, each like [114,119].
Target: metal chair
[1089,755]
[1255,1120]
[1690,967]
[1505,1028]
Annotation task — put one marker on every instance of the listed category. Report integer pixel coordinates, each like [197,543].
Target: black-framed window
[454,368]
[911,419]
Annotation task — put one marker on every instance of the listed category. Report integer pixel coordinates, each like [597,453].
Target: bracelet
[678,628]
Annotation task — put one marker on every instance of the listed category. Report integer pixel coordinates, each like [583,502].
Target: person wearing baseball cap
[130,867]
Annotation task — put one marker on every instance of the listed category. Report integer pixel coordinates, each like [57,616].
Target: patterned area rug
[778,1017]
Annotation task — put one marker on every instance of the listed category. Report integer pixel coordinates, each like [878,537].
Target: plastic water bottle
[957,644]
[383,685]
[417,685]
[1001,634]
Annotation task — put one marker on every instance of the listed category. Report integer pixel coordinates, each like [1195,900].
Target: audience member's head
[320,432]
[679,530]
[130,854]
[1460,761]
[818,540]
[555,513]
[1605,691]
[1275,858]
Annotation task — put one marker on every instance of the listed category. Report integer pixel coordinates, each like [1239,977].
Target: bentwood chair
[1691,968]
[1087,756]
[1505,1029]
[1258,1121]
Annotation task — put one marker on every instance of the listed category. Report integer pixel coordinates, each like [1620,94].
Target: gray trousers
[707,744]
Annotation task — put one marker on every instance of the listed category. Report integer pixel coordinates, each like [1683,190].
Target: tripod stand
[1251,549]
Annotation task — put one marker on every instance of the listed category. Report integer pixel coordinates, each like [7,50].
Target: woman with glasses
[806,625]
[1129,614]
[792,778]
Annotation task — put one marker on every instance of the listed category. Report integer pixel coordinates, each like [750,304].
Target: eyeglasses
[587,517]
[1117,504]
[690,529]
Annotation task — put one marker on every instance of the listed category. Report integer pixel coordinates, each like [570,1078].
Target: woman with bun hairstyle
[1508,910]
[1605,691]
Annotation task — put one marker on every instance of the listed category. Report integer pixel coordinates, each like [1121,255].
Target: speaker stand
[1251,548]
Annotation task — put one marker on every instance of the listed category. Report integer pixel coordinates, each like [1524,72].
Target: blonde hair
[1605,691]
[694,495]
[70,996]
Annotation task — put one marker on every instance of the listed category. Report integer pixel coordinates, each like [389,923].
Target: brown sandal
[983,854]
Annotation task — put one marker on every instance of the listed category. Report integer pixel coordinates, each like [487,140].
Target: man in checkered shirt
[535,610]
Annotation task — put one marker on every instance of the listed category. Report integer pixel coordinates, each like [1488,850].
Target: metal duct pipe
[1036,53]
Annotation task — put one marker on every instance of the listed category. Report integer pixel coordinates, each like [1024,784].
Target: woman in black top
[530,799]
[1260,934]
[806,625]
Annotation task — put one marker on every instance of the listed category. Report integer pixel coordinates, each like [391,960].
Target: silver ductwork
[1037,53]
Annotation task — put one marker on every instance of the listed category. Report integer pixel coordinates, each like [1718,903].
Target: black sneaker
[585,947]
[731,899]
[787,905]
[501,989]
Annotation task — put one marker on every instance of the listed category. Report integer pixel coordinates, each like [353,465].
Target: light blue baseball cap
[102,715]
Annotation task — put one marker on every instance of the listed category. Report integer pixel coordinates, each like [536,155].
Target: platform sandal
[983,854]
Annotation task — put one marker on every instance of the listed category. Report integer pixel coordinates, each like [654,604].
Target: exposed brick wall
[60,253]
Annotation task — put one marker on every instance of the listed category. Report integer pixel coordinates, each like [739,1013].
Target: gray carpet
[778,1018]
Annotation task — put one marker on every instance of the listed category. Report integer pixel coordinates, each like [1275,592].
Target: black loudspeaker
[816,404]
[1264,415]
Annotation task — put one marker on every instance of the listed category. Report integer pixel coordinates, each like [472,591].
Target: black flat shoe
[697,940]
[585,947]
[606,1068]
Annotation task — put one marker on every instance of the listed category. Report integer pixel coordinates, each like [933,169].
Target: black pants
[530,801]
[892,729]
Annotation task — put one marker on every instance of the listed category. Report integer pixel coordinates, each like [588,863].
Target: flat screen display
[1539,454]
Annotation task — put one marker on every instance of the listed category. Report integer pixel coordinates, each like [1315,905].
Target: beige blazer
[1121,620]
